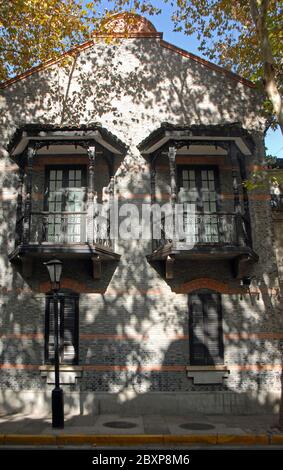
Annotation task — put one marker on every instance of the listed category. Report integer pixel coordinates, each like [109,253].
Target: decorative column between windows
[90,194]
[27,264]
[20,219]
[172,166]
[239,223]
[27,207]
[247,218]
[153,200]
[111,208]
[170,260]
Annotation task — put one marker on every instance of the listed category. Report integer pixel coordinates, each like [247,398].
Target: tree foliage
[244,36]
[33,31]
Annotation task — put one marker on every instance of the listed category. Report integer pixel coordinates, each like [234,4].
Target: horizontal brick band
[23,336]
[140,337]
[90,336]
[146,197]
[166,196]
[151,367]
[251,336]
[178,289]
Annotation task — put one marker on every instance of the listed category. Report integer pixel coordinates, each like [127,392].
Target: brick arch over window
[205,283]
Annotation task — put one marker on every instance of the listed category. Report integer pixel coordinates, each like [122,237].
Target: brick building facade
[147,324]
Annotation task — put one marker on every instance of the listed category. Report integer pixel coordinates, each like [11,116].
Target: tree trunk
[258,14]
[272,92]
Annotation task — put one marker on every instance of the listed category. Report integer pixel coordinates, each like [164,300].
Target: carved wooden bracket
[242,266]
[27,267]
[96,267]
[170,267]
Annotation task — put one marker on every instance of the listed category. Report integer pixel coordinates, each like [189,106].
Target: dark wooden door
[205,329]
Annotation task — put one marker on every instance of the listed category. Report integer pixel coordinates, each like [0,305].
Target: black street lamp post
[54,268]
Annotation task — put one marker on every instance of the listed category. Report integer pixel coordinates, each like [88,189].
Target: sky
[163,23]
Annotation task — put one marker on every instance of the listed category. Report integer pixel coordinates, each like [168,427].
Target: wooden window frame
[64,168]
[198,168]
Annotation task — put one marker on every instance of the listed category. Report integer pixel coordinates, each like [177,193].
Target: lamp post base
[57,408]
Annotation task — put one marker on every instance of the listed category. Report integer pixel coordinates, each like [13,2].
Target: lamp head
[246,281]
[54,268]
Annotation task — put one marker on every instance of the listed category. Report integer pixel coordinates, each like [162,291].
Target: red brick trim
[139,337]
[206,283]
[19,366]
[67,283]
[46,64]
[181,289]
[151,367]
[253,336]
[90,336]
[256,367]
[22,336]
[166,196]
[218,286]
[129,35]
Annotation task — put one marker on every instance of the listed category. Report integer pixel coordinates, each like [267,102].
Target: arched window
[68,313]
[205,328]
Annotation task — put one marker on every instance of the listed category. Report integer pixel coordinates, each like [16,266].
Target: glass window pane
[203,175]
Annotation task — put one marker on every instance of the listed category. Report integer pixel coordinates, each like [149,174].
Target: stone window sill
[208,375]
[68,373]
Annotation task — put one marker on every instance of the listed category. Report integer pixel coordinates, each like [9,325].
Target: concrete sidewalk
[18,429]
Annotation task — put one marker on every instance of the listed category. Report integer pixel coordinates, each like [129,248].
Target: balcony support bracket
[96,267]
[27,267]
[242,265]
[170,260]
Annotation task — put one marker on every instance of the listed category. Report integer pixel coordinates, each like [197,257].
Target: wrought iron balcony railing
[220,229]
[63,228]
